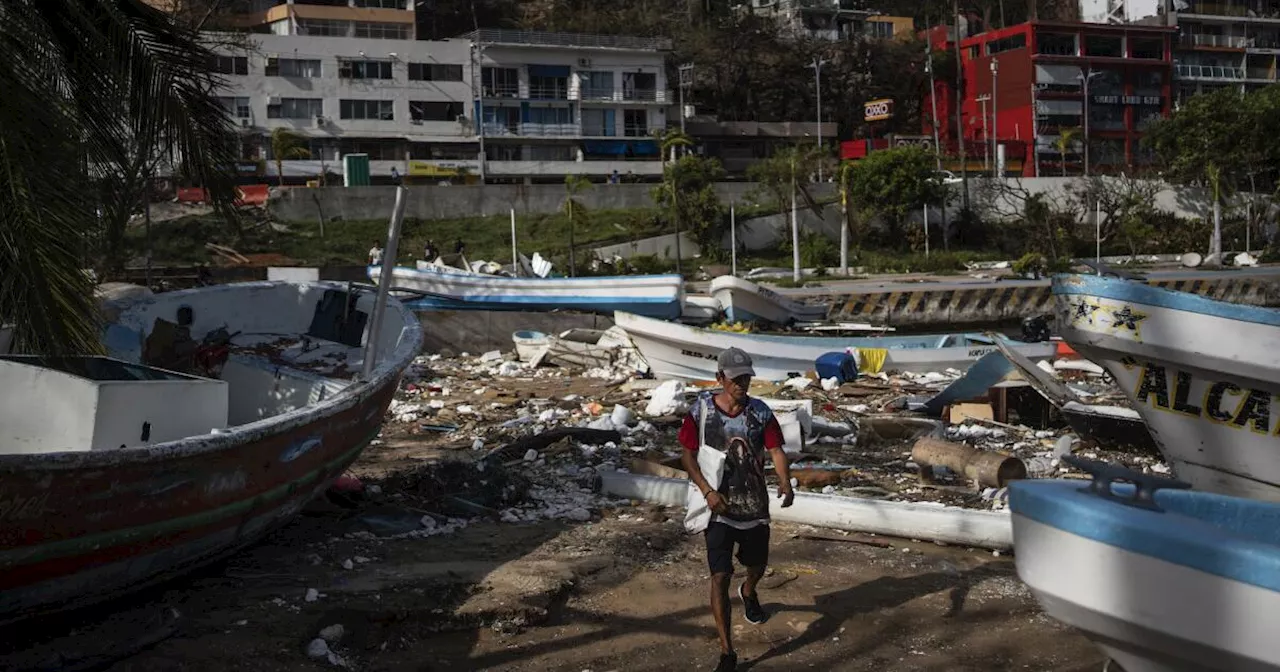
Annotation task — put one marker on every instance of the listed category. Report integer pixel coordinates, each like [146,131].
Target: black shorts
[753,546]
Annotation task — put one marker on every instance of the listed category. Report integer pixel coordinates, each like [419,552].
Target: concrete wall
[436,202]
[1007,201]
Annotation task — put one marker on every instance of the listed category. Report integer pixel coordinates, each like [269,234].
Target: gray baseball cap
[733,362]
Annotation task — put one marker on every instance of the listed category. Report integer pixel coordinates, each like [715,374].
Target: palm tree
[573,186]
[101,93]
[1213,172]
[1066,141]
[668,141]
[287,146]
[845,175]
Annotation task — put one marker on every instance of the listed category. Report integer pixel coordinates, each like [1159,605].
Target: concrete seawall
[988,304]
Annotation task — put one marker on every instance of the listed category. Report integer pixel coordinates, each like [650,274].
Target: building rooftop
[528,38]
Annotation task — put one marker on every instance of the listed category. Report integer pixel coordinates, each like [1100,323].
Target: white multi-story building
[553,104]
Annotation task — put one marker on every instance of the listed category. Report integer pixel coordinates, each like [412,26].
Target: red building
[1043,69]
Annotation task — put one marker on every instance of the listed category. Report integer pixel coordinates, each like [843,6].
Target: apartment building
[830,19]
[551,104]
[1226,43]
[373,19]
[554,104]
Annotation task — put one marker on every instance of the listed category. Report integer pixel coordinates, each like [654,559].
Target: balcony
[632,96]
[599,131]
[570,40]
[548,93]
[529,130]
[640,131]
[1233,10]
[599,168]
[1261,74]
[1218,41]
[502,91]
[1214,72]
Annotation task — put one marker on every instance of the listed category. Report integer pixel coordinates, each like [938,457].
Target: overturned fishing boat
[1203,374]
[1160,578]
[678,351]
[745,301]
[216,414]
[438,287]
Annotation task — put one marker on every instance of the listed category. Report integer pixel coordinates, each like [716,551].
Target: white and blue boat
[745,301]
[1160,579]
[436,287]
[1203,374]
[679,351]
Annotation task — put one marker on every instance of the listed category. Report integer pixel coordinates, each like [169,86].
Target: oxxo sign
[877,110]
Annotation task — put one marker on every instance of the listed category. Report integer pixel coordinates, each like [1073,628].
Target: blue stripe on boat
[1137,292]
[658,308]
[584,280]
[1230,537]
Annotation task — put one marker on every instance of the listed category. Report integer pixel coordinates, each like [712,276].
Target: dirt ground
[623,591]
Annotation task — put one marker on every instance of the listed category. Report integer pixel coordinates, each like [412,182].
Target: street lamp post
[982,101]
[817,77]
[686,80]
[995,131]
[1085,77]
[933,102]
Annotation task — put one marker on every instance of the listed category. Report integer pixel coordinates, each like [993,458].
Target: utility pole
[817,76]
[986,133]
[477,86]
[686,80]
[1085,77]
[933,102]
[995,131]
[964,164]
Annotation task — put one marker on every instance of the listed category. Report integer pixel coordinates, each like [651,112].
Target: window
[435,72]
[378,149]
[443,151]
[596,122]
[1056,44]
[230,65]
[1106,117]
[434,111]
[1148,83]
[381,4]
[596,85]
[552,153]
[639,86]
[1146,115]
[322,27]
[1018,41]
[1108,46]
[973,52]
[500,82]
[378,110]
[882,30]
[551,115]
[296,108]
[635,123]
[502,152]
[1146,47]
[382,31]
[1105,82]
[236,107]
[293,67]
[549,88]
[501,120]
[364,69]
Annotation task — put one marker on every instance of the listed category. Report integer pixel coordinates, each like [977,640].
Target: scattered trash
[318,648]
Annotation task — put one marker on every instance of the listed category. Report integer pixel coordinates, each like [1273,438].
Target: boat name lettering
[980,352]
[699,355]
[23,507]
[1247,408]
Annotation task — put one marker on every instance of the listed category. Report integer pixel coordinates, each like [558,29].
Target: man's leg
[720,540]
[753,553]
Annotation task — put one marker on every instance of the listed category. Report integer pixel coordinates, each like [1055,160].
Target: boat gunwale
[1117,289]
[459,273]
[386,373]
[670,333]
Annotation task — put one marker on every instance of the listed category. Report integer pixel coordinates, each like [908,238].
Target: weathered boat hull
[679,351]
[82,527]
[745,301]
[1155,590]
[659,296]
[1203,374]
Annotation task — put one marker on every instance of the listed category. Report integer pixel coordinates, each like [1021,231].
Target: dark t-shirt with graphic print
[746,439]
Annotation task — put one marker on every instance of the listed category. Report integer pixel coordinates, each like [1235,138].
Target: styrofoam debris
[311,596]
[333,633]
[348,564]
[798,383]
[491,356]
[666,399]
[830,384]
[530,455]
[622,416]
[318,648]
[604,423]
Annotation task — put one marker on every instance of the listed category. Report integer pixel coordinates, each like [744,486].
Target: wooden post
[986,469]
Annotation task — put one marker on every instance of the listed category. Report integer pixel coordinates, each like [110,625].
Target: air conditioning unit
[318,122]
[273,100]
[584,62]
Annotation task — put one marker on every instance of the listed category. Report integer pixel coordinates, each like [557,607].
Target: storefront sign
[1127,100]
[428,169]
[878,110]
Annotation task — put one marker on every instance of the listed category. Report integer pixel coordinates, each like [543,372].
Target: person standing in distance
[375,253]
[746,430]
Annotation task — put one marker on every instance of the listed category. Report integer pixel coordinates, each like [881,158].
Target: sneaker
[728,663]
[751,607]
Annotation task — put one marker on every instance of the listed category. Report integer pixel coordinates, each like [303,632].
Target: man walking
[748,433]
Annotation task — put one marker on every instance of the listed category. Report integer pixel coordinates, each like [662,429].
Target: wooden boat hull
[659,296]
[1203,374]
[82,527]
[688,353]
[1156,591]
[745,301]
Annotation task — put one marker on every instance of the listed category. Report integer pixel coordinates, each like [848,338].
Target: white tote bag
[711,464]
